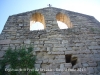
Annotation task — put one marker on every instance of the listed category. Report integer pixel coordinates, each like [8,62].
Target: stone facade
[56,48]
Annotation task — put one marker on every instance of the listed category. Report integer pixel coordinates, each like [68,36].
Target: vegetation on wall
[95,30]
[18,62]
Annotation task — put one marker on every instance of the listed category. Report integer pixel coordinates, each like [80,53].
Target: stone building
[77,46]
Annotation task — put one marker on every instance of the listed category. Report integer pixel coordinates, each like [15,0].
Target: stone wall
[52,45]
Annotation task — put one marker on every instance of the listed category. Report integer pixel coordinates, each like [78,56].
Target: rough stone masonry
[77,47]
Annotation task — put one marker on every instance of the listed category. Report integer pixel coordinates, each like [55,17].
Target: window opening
[37,22]
[62,25]
[68,58]
[63,21]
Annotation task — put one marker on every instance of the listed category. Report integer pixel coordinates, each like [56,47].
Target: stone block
[27,41]
[37,66]
[43,49]
[2,53]
[96,55]
[79,44]
[16,41]
[58,45]
[56,52]
[98,68]
[92,64]
[36,42]
[48,48]
[45,66]
[60,56]
[69,48]
[39,55]
[94,47]
[6,41]
[55,22]
[43,39]
[20,25]
[90,70]
[59,49]
[86,51]
[98,63]
[48,45]
[38,61]
[64,41]
[76,41]
[57,73]
[45,60]
[85,65]
[50,60]
[43,74]
[60,60]
[65,73]
[70,52]
[37,49]
[49,73]
[94,51]
[68,65]
[49,52]
[51,42]
[96,59]
[6,48]
[62,66]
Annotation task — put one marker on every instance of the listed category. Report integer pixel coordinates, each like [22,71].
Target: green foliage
[22,58]
[92,29]
[95,30]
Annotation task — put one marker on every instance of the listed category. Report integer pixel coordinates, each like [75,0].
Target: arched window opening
[37,22]
[63,21]
[62,25]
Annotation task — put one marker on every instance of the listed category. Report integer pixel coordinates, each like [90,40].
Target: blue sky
[11,7]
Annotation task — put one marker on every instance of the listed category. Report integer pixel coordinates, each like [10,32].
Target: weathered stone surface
[60,60]
[70,52]
[48,48]
[6,48]
[16,41]
[37,66]
[45,60]
[2,53]
[49,73]
[36,42]
[6,41]
[98,63]
[54,42]
[45,66]
[56,52]
[27,41]
[98,68]
[65,73]
[94,47]
[39,61]
[90,70]
[59,49]
[85,65]
[58,45]
[68,65]
[60,56]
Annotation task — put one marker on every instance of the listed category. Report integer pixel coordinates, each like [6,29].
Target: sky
[11,7]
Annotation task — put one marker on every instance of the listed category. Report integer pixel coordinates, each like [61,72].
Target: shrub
[19,60]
